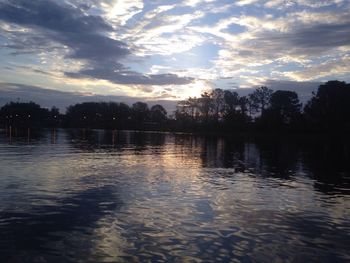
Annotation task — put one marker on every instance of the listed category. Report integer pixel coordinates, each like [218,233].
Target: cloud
[265,44]
[130,77]
[318,4]
[123,10]
[246,2]
[119,41]
[194,3]
[276,3]
[82,36]
[333,67]
[304,40]
[283,4]
[164,34]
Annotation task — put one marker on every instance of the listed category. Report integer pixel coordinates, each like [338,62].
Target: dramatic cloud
[83,35]
[335,67]
[266,44]
[175,49]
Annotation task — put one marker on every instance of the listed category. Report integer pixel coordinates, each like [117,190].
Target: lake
[103,196]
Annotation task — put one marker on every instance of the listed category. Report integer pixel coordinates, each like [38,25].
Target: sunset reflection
[169,197]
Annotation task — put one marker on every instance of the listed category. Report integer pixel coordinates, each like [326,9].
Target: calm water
[96,196]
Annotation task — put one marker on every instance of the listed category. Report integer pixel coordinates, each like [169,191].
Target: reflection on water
[92,196]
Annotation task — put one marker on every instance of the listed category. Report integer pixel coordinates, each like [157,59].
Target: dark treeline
[28,114]
[95,115]
[264,110]
[114,115]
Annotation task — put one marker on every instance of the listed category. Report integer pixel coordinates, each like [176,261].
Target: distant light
[113,118]
[29,116]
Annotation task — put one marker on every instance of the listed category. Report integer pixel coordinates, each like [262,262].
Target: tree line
[95,115]
[264,110]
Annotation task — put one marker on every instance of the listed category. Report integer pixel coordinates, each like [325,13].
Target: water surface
[96,196]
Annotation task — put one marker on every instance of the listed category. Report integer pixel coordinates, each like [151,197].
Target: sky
[170,50]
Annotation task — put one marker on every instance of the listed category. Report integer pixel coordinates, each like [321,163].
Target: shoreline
[238,134]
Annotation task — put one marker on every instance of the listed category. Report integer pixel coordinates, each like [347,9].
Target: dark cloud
[322,36]
[306,40]
[27,43]
[129,77]
[83,34]
[50,15]
[48,97]
[30,69]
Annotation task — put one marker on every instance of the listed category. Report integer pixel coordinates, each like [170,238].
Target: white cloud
[194,3]
[246,2]
[122,10]
[318,4]
[164,34]
[269,42]
[276,3]
[333,67]
[283,4]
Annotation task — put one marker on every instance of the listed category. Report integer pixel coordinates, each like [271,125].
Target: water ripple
[167,198]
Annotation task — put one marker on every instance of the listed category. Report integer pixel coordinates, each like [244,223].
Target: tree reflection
[90,139]
[326,161]
[286,158]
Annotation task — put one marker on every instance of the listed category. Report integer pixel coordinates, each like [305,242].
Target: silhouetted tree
[218,103]
[205,106]
[158,114]
[187,108]
[82,114]
[123,115]
[260,99]
[252,106]
[231,101]
[24,114]
[97,115]
[286,104]
[183,120]
[140,112]
[193,107]
[216,110]
[329,109]
[283,112]
[243,105]
[54,117]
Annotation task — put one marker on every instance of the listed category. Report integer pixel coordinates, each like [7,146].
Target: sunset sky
[171,49]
